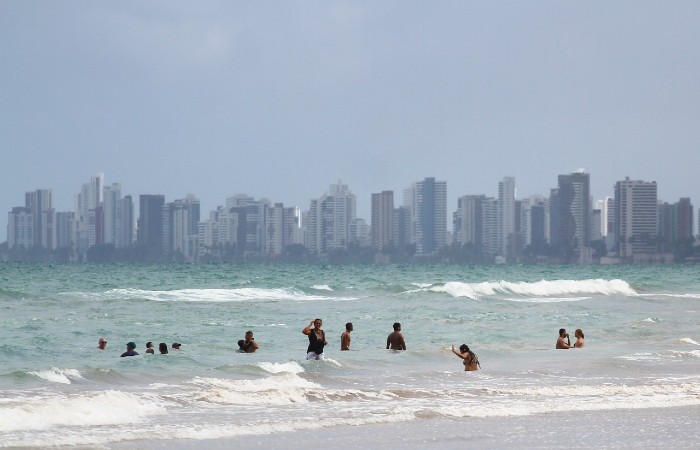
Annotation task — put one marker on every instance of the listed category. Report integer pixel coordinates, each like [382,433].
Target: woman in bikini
[471,361]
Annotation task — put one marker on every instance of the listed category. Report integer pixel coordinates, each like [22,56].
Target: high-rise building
[382,220]
[684,215]
[635,218]
[90,211]
[430,215]
[402,226]
[533,220]
[281,225]
[180,230]
[40,203]
[125,237]
[112,213]
[20,227]
[506,217]
[329,220]
[574,214]
[674,225]
[65,230]
[150,224]
[469,220]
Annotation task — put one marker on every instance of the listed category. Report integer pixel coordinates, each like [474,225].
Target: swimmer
[395,340]
[248,345]
[130,350]
[579,338]
[345,337]
[102,344]
[560,340]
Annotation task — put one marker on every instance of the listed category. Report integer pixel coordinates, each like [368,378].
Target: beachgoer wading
[317,339]
[471,361]
[345,337]
[395,340]
[248,345]
[560,340]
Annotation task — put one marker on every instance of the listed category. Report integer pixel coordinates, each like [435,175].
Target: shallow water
[56,388]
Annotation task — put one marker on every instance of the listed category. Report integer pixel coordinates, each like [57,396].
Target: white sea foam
[694,353]
[687,341]
[551,399]
[217,295]
[546,299]
[642,357]
[321,287]
[286,367]
[281,389]
[208,431]
[87,408]
[56,375]
[543,288]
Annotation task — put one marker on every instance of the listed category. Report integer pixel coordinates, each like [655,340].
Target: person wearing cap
[176,346]
[102,343]
[130,350]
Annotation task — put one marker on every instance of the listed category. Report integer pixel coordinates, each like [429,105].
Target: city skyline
[568,226]
[367,202]
[227,97]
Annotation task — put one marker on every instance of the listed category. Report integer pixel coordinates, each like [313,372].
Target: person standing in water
[395,340]
[317,339]
[579,338]
[345,337]
[560,340]
[247,345]
[130,350]
[102,343]
[471,361]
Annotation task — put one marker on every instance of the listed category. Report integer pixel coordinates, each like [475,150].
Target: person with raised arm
[317,339]
[560,340]
[471,361]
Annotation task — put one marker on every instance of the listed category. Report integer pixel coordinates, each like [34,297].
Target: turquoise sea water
[56,388]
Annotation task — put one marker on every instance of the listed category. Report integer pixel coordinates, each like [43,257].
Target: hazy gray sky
[282,99]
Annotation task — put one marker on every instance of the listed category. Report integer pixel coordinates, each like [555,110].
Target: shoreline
[677,427]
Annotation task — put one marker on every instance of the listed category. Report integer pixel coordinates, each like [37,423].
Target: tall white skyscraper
[430,215]
[330,219]
[112,213]
[635,221]
[506,217]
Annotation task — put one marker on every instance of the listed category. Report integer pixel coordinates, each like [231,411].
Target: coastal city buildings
[573,217]
[567,226]
[636,214]
[427,200]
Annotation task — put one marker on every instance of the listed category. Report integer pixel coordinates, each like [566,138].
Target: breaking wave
[543,288]
[216,295]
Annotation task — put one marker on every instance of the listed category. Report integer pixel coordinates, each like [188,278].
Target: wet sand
[677,428]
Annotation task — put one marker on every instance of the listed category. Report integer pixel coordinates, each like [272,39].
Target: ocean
[635,383]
